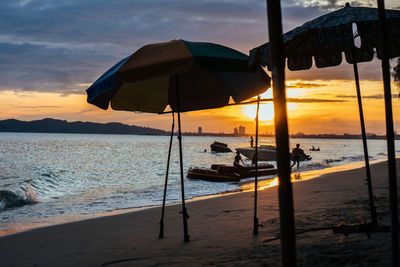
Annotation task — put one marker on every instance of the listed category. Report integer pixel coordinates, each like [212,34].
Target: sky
[52,51]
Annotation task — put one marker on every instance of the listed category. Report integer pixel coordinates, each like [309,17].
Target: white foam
[30,195]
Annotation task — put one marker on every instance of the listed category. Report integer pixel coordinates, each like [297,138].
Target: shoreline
[245,186]
[221,231]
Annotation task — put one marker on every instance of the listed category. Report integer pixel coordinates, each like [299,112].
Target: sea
[52,178]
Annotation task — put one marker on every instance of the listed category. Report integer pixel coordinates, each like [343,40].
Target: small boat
[265,153]
[229,173]
[220,147]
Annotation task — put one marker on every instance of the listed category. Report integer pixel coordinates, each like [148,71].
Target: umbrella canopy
[208,75]
[326,37]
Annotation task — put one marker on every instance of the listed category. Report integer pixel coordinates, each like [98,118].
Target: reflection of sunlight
[271,183]
[262,184]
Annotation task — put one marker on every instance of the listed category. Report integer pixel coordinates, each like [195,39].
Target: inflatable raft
[212,175]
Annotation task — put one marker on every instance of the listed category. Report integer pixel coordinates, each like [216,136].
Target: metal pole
[161,235]
[374,220]
[185,216]
[286,209]
[256,224]
[389,134]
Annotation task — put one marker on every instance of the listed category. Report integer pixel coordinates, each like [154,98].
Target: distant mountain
[61,126]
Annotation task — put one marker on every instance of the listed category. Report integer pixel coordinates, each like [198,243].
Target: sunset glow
[313,107]
[46,70]
[266,113]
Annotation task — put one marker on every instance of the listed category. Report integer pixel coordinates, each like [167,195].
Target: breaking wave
[10,199]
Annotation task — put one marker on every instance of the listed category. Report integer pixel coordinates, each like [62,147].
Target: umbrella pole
[286,207]
[389,134]
[256,224]
[374,220]
[161,235]
[185,216]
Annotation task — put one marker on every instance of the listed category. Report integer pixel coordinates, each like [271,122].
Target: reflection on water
[297,176]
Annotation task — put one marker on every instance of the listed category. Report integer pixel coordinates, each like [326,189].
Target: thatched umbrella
[325,39]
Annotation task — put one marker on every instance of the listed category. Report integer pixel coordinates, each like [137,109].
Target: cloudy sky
[51,51]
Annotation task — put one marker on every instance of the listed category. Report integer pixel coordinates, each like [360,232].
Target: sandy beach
[220,230]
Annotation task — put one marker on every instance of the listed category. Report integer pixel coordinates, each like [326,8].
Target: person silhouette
[296,153]
[251,141]
[237,160]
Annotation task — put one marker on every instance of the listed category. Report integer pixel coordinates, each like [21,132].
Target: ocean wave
[317,165]
[10,199]
[357,158]
[333,160]
[329,162]
[348,158]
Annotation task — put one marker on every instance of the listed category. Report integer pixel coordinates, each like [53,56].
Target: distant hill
[62,126]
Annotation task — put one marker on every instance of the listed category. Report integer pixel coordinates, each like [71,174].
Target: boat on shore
[228,173]
[265,153]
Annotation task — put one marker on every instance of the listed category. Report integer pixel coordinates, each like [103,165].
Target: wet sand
[221,231]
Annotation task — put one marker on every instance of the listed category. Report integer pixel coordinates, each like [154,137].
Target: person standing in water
[297,152]
[251,141]
[237,160]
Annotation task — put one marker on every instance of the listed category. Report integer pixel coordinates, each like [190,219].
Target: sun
[266,112]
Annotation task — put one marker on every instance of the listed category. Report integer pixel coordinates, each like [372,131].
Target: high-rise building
[242,130]
[235,131]
[200,130]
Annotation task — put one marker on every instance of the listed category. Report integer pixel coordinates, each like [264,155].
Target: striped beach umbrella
[206,74]
[184,76]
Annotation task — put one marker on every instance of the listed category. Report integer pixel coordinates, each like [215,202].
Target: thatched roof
[326,37]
